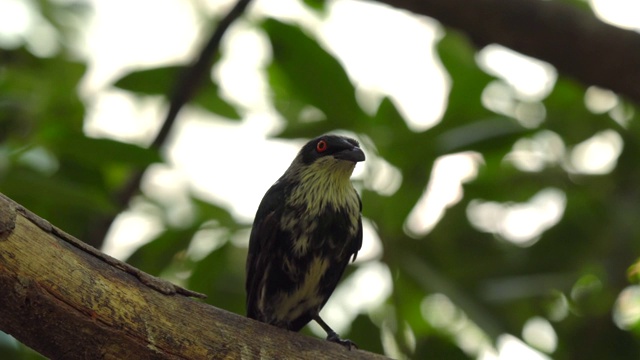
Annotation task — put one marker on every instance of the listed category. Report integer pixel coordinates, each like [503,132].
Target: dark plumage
[306,230]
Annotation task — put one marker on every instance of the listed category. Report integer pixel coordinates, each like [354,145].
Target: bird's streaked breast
[305,296]
[326,183]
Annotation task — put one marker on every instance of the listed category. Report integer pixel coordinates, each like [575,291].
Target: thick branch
[574,41]
[66,300]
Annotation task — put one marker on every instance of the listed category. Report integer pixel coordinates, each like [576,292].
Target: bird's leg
[333,336]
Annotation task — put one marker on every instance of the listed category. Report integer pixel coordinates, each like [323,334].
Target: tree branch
[67,300]
[574,41]
[187,85]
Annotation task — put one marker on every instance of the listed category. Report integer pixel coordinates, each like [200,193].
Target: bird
[307,229]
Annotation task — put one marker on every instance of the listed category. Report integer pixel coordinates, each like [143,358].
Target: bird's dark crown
[340,147]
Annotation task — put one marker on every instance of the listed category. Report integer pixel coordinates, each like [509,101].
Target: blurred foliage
[159,80]
[457,288]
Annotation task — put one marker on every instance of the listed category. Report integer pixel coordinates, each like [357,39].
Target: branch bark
[574,41]
[67,300]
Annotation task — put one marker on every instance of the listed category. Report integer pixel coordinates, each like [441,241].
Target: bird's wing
[261,240]
[333,276]
[357,243]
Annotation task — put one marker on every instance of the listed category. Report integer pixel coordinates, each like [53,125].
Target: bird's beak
[354,154]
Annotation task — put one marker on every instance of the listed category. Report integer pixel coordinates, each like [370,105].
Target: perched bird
[306,230]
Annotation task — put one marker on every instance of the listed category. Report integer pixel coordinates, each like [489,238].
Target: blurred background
[500,197]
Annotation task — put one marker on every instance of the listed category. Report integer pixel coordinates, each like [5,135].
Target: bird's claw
[333,337]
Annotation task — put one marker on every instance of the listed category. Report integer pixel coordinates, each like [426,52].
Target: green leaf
[319,5]
[209,211]
[633,273]
[220,275]
[304,76]
[568,116]
[38,94]
[360,333]
[159,81]
[60,193]
[156,81]
[488,134]
[209,99]
[438,348]
[157,255]
[65,202]
[468,81]
[97,152]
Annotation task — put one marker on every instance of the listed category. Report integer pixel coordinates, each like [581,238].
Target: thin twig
[193,75]
[187,84]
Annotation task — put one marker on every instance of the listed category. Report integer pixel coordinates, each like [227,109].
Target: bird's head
[333,148]
[327,157]
[322,171]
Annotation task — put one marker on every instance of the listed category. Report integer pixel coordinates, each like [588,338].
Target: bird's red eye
[321,146]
